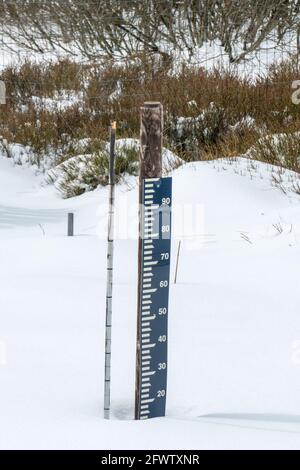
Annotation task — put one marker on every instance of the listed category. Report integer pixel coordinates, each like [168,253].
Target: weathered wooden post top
[151,140]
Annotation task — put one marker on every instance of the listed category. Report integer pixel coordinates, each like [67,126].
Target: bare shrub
[53,107]
[278,149]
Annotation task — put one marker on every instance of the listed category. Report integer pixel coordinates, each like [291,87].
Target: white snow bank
[233,324]
[170,160]
[20,154]
[60,102]
[84,172]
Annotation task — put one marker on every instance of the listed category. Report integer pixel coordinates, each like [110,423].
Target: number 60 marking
[163,284]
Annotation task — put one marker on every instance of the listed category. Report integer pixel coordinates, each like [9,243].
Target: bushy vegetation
[278,149]
[63,109]
[86,172]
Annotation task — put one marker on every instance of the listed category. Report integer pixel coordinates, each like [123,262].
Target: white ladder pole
[109,285]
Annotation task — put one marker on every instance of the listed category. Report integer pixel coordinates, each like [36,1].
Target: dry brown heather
[118,92]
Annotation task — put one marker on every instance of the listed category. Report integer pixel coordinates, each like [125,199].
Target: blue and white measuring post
[152,356]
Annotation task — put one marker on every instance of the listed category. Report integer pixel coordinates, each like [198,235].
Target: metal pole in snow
[109,285]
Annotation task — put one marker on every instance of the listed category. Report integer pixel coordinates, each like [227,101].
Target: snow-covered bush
[83,173]
[190,133]
[278,149]
[207,113]
[17,152]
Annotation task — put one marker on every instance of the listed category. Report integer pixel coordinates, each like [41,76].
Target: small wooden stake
[150,167]
[70,224]
[177,262]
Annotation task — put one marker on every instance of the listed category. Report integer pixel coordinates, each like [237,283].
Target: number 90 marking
[166,200]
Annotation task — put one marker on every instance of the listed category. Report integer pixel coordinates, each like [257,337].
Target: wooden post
[151,132]
[70,224]
[177,261]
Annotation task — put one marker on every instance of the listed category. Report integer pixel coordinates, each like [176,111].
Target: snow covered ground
[234,322]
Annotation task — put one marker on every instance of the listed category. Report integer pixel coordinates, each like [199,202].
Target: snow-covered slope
[234,336]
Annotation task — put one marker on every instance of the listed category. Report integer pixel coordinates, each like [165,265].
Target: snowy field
[234,321]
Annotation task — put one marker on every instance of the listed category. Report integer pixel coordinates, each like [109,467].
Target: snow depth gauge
[152,356]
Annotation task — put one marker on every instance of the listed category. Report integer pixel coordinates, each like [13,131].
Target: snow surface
[60,102]
[234,325]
